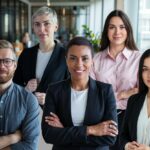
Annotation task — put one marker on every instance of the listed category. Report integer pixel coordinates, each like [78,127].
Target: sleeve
[124,135]
[70,135]
[110,113]
[76,135]
[18,75]
[30,126]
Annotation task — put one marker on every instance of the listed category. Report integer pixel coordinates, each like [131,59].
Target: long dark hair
[142,87]
[130,43]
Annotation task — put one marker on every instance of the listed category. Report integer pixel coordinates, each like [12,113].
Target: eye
[72,58]
[122,27]
[37,24]
[111,27]
[46,24]
[85,59]
[145,69]
[7,61]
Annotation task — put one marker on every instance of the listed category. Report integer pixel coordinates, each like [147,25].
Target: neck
[46,47]
[4,86]
[115,50]
[79,85]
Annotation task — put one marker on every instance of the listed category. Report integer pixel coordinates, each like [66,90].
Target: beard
[6,78]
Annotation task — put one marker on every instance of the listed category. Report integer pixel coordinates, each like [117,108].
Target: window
[144,25]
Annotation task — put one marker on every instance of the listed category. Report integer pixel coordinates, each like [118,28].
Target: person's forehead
[6,52]
[43,18]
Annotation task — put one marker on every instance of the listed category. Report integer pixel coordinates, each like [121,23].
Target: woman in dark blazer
[80,113]
[44,63]
[135,133]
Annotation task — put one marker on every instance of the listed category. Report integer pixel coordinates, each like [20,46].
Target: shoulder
[30,51]
[101,85]
[100,56]
[59,47]
[28,55]
[58,85]
[25,96]
[135,53]
[134,99]
[97,55]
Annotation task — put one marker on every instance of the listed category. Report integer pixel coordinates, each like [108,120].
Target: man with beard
[19,109]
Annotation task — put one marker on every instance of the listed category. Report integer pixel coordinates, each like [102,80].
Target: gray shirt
[19,110]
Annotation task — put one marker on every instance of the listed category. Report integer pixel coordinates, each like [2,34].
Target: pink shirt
[121,72]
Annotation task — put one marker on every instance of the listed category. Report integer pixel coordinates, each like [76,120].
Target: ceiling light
[48,2]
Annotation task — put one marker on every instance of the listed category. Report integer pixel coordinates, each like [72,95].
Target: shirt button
[1,116]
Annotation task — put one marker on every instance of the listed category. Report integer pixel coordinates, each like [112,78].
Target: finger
[51,123]
[54,115]
[135,143]
[113,132]
[112,122]
[50,118]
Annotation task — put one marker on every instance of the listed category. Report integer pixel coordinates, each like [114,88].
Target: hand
[41,97]
[15,137]
[126,94]
[7,140]
[53,120]
[32,85]
[143,147]
[105,128]
[6,148]
[131,145]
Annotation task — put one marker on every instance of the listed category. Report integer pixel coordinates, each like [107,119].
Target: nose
[117,30]
[2,64]
[79,62]
[42,27]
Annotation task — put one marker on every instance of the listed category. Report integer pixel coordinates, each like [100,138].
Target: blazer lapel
[92,93]
[33,59]
[137,108]
[54,57]
[66,102]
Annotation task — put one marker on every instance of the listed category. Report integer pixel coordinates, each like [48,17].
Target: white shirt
[41,63]
[78,106]
[143,126]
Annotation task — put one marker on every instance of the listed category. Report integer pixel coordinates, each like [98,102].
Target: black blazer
[56,69]
[129,128]
[101,106]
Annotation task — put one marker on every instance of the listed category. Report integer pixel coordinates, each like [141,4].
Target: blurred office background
[15,17]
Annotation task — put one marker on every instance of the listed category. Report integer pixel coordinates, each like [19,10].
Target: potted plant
[93,38]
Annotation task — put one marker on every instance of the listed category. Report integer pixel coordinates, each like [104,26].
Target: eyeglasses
[7,62]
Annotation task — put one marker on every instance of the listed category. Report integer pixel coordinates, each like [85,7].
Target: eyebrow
[115,25]
[81,56]
[145,66]
[42,22]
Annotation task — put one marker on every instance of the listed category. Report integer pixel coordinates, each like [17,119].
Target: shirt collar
[126,53]
[8,90]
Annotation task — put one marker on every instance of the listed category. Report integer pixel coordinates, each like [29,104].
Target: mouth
[116,38]
[42,35]
[79,71]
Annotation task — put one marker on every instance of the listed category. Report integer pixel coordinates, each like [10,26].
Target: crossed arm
[7,140]
[55,130]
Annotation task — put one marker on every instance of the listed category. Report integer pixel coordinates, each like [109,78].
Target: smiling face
[117,33]
[44,27]
[8,67]
[146,72]
[79,62]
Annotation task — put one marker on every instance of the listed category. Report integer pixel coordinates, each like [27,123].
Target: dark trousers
[121,114]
